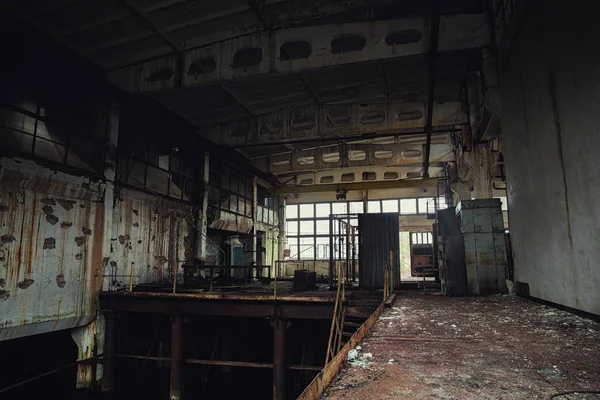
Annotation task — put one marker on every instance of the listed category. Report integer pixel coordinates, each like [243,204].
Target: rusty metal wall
[482,229]
[154,233]
[51,248]
[379,234]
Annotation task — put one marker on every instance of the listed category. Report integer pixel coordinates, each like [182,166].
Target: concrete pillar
[480,160]
[365,197]
[90,343]
[279,358]
[176,388]
[110,351]
[281,247]
[203,220]
[254,219]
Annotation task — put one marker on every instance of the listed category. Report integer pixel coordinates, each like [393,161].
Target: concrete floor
[499,347]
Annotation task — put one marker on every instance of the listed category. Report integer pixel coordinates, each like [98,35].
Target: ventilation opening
[349,177]
[270,128]
[161,75]
[404,37]
[348,43]
[369,176]
[238,132]
[390,175]
[247,57]
[281,163]
[384,154]
[302,123]
[326,179]
[357,155]
[337,120]
[294,50]
[409,115]
[413,174]
[411,153]
[372,118]
[331,157]
[308,181]
[202,66]
[306,160]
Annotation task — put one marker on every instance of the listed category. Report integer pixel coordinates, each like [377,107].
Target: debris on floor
[496,347]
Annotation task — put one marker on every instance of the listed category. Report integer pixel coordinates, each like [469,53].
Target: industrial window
[374,207]
[64,134]
[356,207]
[307,248]
[408,206]
[421,238]
[307,211]
[307,227]
[322,226]
[323,210]
[389,205]
[291,211]
[426,205]
[339,208]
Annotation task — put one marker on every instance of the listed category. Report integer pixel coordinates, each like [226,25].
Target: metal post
[176,390]
[331,244]
[279,358]
[110,351]
[254,219]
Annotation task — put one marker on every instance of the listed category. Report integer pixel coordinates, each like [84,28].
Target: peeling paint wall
[550,102]
[51,249]
[154,233]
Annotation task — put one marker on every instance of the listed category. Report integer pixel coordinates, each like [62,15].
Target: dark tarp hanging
[379,234]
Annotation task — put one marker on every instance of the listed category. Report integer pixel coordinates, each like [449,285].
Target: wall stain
[557,125]
[66,224]
[25,283]
[52,219]
[4,239]
[66,204]
[80,240]
[60,280]
[4,294]
[49,243]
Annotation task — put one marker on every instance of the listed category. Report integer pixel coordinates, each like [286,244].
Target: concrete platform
[499,347]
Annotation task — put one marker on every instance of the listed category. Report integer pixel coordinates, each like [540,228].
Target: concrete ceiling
[223,65]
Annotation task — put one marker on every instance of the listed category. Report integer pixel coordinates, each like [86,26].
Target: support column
[201,246]
[176,390]
[110,351]
[365,197]
[281,248]
[254,215]
[279,358]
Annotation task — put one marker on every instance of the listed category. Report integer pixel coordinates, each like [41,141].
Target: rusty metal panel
[154,233]
[51,248]
[226,221]
[485,249]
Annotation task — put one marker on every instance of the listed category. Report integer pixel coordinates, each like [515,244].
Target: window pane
[323,210]
[374,207]
[322,227]
[414,238]
[356,207]
[354,222]
[429,238]
[426,205]
[389,205]
[322,248]
[307,211]
[408,206]
[339,208]
[292,244]
[307,248]
[307,227]
[291,228]
[291,211]
[442,203]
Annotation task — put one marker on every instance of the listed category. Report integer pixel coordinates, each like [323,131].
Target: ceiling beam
[398,184]
[433,59]
[158,31]
[238,99]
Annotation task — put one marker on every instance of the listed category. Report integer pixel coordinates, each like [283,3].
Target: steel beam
[433,60]
[110,351]
[279,358]
[176,381]
[399,184]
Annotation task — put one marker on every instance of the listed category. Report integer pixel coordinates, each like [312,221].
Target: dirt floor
[497,347]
